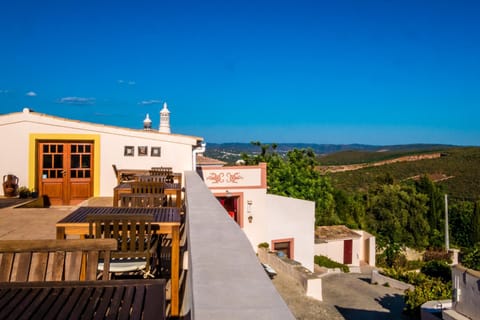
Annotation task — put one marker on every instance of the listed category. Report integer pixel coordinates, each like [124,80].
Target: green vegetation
[263,245]
[471,257]
[383,200]
[399,203]
[328,263]
[459,165]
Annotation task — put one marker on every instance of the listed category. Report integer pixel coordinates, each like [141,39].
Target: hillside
[330,154]
[457,170]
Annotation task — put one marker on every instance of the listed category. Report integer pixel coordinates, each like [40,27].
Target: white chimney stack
[164,119]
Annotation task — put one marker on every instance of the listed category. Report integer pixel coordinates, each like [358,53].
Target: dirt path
[345,296]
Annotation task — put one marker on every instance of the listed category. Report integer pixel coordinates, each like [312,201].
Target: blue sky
[373,72]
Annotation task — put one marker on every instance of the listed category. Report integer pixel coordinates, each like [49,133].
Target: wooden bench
[114,299]
[54,260]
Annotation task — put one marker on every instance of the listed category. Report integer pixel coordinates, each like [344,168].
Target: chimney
[164,119]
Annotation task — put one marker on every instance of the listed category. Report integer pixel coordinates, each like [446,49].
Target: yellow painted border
[32,156]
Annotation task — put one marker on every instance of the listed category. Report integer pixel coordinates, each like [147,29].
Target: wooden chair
[143,200]
[53,260]
[137,241]
[154,179]
[122,177]
[147,187]
[166,172]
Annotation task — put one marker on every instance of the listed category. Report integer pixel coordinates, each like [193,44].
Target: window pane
[45,148]
[75,161]
[87,148]
[60,148]
[87,173]
[58,161]
[73,148]
[47,161]
[86,161]
[73,173]
[53,148]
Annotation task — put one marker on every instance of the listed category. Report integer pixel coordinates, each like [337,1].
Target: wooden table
[170,189]
[166,218]
[115,299]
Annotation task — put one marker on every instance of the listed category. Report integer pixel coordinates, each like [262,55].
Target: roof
[26,113]
[206,161]
[328,233]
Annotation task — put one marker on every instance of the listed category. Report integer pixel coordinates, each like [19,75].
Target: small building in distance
[343,245]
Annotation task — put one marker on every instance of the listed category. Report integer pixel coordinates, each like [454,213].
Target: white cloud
[76,100]
[149,102]
[3,91]
[31,94]
[129,82]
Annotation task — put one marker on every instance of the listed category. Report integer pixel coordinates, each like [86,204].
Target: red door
[347,251]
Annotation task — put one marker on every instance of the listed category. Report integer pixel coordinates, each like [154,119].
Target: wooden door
[65,171]
[347,251]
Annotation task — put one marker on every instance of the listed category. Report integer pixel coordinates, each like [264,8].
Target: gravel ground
[345,296]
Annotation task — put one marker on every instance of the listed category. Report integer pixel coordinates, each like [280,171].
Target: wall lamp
[249,210]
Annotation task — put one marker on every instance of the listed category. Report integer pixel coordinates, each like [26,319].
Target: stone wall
[382,280]
[309,281]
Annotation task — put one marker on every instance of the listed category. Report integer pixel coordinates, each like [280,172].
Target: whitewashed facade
[126,148]
[285,224]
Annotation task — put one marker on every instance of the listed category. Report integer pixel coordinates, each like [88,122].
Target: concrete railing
[224,279]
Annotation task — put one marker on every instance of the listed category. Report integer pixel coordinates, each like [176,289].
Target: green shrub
[414,264]
[470,258]
[430,289]
[263,245]
[438,269]
[329,263]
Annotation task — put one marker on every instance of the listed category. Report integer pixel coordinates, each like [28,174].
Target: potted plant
[23,192]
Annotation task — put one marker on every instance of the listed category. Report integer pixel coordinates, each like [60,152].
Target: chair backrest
[156,179]
[53,260]
[147,187]
[143,200]
[133,233]
[161,171]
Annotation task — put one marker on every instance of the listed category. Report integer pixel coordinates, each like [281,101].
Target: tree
[397,215]
[435,213]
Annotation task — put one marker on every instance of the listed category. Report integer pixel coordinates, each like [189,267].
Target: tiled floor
[38,223]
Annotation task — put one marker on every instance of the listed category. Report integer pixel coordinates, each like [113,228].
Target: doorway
[347,251]
[65,171]
[231,205]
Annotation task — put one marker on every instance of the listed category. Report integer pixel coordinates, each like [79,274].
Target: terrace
[220,275]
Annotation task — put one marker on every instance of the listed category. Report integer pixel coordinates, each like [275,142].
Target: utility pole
[447,241]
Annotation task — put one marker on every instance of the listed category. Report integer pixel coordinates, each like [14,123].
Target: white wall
[15,130]
[467,290]
[292,218]
[334,250]
[367,247]
[274,217]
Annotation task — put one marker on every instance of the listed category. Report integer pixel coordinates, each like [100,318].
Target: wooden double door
[65,171]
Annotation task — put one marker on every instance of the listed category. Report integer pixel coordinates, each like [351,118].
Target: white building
[71,160]
[350,247]
[286,224]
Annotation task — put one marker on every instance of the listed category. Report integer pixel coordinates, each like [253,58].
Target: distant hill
[455,168]
[230,152]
